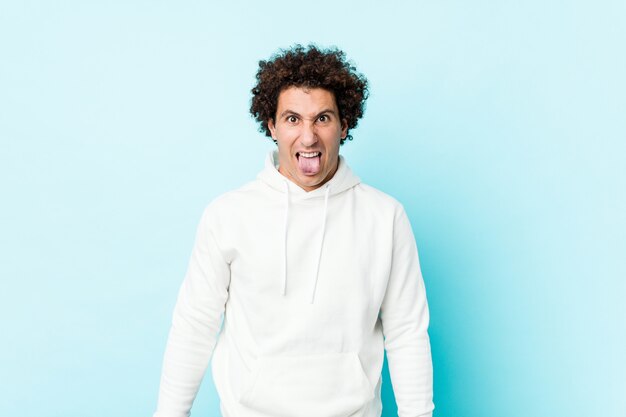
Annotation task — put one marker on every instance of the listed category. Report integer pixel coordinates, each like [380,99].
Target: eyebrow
[331,111]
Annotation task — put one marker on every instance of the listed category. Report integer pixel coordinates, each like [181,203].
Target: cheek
[332,144]
[285,143]
[287,136]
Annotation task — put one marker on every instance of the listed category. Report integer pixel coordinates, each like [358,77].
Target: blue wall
[500,125]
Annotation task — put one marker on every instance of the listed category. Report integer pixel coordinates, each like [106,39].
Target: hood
[343,180]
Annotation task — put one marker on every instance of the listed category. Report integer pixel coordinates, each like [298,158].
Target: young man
[315,273]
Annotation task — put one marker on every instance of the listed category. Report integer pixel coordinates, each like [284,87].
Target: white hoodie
[308,282]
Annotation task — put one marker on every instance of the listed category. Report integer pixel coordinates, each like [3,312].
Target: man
[315,273]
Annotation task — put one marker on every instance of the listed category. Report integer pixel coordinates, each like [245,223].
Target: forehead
[303,100]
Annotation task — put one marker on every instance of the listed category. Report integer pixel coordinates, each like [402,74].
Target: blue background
[501,126]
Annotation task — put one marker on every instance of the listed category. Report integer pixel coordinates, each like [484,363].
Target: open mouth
[309,162]
[308,154]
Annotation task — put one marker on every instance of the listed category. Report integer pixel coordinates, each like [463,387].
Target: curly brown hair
[309,67]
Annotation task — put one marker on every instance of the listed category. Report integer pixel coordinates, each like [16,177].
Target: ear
[344,128]
[272,128]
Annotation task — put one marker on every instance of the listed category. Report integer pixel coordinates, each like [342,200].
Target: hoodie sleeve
[404,315]
[195,324]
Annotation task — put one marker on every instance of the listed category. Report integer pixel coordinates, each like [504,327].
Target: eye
[292,119]
[323,118]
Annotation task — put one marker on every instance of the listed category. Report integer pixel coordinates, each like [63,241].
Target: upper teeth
[309,154]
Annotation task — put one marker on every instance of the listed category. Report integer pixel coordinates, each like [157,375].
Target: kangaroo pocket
[320,385]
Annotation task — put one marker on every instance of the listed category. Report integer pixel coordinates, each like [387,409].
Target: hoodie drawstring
[319,254]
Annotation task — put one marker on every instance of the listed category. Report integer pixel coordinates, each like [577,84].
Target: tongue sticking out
[309,166]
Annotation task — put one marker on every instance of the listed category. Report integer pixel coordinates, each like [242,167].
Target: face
[308,132]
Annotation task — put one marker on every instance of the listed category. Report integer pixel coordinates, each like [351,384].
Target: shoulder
[390,211]
[378,199]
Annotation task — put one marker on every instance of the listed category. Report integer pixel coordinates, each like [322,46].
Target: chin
[309,182]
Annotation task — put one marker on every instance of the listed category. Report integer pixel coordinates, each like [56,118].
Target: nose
[308,136]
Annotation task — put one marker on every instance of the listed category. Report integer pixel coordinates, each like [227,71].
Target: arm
[404,316]
[195,324]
